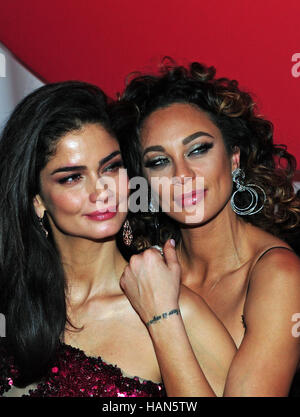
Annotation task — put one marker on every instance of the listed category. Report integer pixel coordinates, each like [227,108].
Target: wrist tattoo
[163,316]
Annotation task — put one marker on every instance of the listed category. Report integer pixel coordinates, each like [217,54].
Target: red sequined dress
[74,374]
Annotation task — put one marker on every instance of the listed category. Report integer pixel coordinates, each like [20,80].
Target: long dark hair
[32,282]
[234,112]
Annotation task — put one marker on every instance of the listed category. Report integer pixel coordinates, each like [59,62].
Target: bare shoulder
[276,266]
[274,287]
[274,262]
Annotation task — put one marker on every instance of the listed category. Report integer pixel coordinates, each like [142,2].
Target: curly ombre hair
[235,113]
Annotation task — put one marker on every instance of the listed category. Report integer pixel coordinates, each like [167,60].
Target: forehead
[176,121]
[91,142]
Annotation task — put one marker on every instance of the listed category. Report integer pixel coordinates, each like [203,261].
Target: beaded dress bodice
[74,374]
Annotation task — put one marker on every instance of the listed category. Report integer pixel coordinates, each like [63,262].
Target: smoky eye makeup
[161,161]
[156,162]
[199,149]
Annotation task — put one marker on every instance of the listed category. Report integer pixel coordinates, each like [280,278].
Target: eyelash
[203,148]
[160,161]
[77,176]
[114,166]
[73,177]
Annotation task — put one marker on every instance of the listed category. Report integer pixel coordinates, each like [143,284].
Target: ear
[235,158]
[39,206]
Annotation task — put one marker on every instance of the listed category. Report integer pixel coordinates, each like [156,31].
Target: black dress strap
[273,247]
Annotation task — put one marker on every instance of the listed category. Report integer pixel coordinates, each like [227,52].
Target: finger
[135,263]
[170,254]
[123,281]
[158,248]
[153,254]
[126,277]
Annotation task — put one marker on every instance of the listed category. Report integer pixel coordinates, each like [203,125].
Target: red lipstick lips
[102,215]
[190,199]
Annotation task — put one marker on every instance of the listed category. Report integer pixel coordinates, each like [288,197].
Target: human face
[182,144]
[70,185]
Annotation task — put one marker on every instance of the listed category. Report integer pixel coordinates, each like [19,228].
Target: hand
[151,282]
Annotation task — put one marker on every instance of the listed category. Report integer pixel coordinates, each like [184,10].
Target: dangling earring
[253,207]
[127,233]
[41,221]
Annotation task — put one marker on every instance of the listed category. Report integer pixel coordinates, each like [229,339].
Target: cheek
[218,181]
[224,175]
[218,169]
[123,185]
[121,188]
[67,203]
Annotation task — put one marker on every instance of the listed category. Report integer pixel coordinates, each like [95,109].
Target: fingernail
[172,241]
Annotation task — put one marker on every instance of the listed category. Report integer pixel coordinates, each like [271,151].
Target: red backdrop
[101,41]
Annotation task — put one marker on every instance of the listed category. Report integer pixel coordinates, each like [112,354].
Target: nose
[98,191]
[99,196]
[183,172]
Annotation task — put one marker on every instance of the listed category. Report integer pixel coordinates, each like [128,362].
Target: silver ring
[159,248]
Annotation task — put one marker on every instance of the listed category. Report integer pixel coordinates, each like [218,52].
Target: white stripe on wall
[15,83]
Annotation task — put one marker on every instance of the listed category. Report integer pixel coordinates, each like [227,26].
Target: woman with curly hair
[233,206]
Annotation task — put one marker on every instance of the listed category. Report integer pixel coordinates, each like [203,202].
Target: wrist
[163,316]
[166,327]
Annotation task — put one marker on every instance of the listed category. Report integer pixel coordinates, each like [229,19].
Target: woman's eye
[200,149]
[71,179]
[154,163]
[115,166]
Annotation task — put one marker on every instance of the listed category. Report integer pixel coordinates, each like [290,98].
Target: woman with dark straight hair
[231,208]
[63,201]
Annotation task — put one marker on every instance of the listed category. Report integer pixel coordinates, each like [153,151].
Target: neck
[211,250]
[92,268]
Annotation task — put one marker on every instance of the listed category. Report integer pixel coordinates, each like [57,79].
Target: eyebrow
[109,157]
[185,141]
[82,167]
[195,135]
[69,169]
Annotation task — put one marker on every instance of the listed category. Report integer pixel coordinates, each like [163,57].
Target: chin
[109,231]
[97,237]
[204,216]
[189,220]
[97,232]
[189,217]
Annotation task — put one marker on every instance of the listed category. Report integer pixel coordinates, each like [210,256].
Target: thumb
[170,254]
